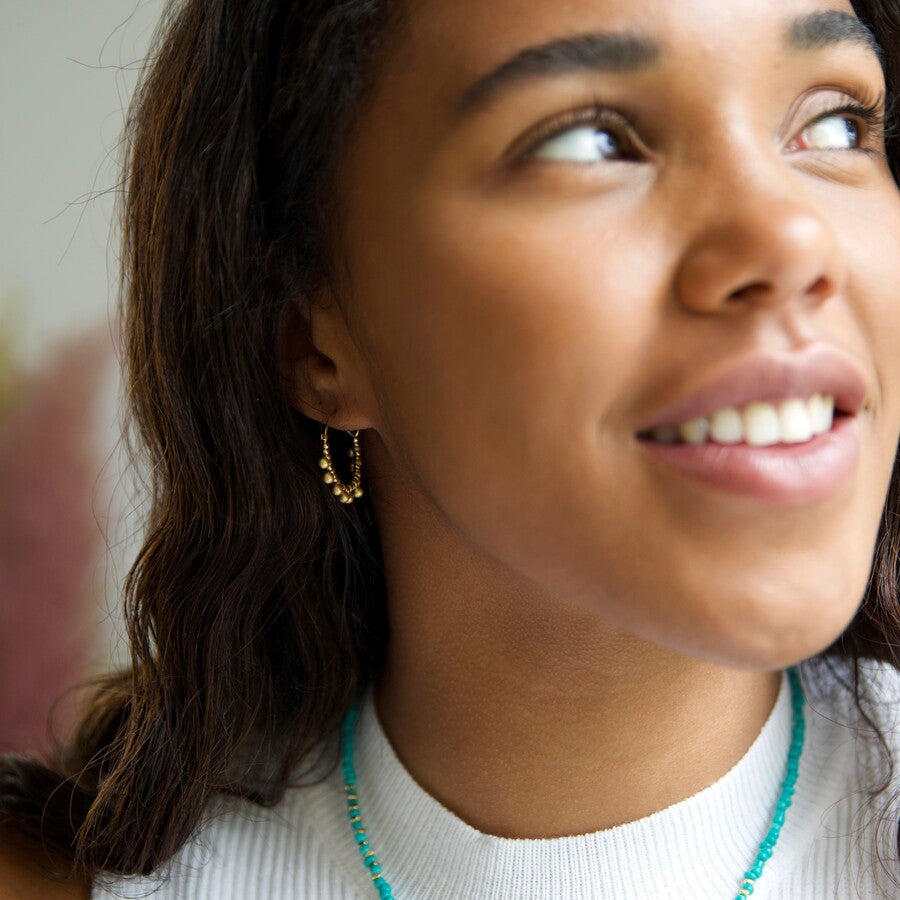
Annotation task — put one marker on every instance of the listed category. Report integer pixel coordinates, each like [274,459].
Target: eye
[852,127]
[584,144]
[831,133]
[584,136]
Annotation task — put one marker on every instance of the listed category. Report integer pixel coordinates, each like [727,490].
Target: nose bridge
[756,234]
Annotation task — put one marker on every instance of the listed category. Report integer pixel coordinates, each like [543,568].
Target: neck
[529,717]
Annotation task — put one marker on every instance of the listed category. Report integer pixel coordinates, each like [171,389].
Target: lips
[769,378]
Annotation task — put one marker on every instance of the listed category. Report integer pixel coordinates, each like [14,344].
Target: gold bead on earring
[346,493]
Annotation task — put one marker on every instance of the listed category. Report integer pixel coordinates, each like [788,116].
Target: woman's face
[544,261]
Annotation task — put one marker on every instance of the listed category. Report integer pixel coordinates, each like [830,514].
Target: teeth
[795,421]
[792,421]
[727,426]
[821,411]
[666,434]
[762,426]
[694,432]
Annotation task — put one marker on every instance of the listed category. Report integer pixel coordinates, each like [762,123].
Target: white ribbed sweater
[696,849]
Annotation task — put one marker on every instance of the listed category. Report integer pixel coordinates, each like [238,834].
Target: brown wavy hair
[256,604]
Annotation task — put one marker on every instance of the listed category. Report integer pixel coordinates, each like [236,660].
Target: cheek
[507,344]
[505,347]
[883,285]
[872,249]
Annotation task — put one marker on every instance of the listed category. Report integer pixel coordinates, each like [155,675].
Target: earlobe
[316,360]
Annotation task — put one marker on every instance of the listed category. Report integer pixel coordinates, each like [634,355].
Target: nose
[759,242]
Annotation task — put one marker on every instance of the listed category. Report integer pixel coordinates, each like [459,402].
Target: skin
[23,876]
[580,637]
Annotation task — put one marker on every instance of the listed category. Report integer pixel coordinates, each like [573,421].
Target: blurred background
[70,510]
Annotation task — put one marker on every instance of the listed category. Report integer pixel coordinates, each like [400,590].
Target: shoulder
[831,691]
[862,718]
[857,767]
[881,690]
[245,850]
[22,878]
[885,681]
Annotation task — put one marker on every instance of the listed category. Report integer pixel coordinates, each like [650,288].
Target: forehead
[495,25]
[452,42]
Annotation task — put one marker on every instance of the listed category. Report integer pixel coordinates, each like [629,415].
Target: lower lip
[789,474]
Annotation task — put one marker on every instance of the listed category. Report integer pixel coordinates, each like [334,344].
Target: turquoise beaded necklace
[370,860]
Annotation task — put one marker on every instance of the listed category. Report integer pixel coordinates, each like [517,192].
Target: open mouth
[758,424]
[773,471]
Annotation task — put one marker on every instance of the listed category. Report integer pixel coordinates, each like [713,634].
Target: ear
[323,372]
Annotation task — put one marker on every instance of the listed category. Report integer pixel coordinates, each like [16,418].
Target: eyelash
[616,120]
[868,112]
[872,117]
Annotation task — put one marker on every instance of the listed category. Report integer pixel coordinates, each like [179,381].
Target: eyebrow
[823,29]
[613,52]
[632,52]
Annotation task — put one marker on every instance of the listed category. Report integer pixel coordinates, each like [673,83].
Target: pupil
[606,143]
[852,131]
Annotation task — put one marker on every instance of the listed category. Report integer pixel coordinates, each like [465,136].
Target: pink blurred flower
[50,542]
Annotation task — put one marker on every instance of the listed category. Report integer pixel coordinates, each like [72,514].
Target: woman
[602,601]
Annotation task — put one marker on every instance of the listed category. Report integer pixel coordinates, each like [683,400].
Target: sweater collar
[699,847]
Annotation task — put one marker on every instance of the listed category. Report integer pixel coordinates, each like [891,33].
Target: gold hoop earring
[346,493]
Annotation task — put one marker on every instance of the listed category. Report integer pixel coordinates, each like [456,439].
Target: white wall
[64,83]
[67,70]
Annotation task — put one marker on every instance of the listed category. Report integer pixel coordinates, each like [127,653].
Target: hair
[256,604]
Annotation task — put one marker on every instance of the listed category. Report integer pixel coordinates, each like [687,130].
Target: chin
[778,644]
[765,627]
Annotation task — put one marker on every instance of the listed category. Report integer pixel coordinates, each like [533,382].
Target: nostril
[756,287]
[821,287]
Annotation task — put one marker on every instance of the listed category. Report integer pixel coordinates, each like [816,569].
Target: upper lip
[769,378]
